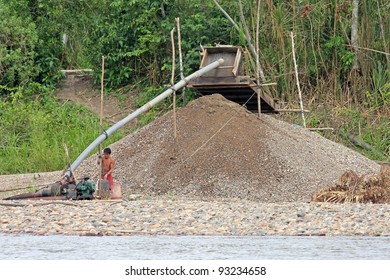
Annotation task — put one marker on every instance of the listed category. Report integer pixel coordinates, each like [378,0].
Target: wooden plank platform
[230,81]
[239,92]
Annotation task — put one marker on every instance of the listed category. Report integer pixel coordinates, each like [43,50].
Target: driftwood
[56,202]
[12,204]
[16,189]
[359,142]
[38,204]
[24,188]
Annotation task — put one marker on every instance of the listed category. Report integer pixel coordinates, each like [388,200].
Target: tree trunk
[354,31]
[162,9]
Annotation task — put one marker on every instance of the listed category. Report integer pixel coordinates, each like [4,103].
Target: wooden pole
[258,60]
[180,59]
[320,128]
[258,26]
[101,96]
[269,84]
[292,111]
[249,41]
[101,128]
[297,78]
[69,161]
[227,15]
[172,83]
[255,52]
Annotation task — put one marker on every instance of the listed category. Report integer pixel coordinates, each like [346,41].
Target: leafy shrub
[18,40]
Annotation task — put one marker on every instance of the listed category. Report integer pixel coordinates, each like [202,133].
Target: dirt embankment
[79,89]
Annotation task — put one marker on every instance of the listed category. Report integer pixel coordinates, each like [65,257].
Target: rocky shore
[228,172]
[167,216]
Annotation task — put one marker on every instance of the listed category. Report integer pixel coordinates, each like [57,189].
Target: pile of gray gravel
[224,151]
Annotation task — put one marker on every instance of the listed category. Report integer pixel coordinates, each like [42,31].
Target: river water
[56,247]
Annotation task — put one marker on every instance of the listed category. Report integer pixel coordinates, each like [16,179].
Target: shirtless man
[108,167]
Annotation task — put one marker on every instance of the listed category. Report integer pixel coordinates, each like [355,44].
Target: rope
[205,143]
[249,99]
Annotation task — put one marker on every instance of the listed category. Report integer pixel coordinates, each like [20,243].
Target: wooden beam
[263,85]
[319,128]
[76,71]
[292,111]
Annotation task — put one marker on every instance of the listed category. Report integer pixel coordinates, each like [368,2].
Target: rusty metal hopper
[229,79]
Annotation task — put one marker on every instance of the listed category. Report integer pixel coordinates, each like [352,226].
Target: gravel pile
[223,151]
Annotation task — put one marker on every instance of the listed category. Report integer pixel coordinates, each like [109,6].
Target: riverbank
[167,216]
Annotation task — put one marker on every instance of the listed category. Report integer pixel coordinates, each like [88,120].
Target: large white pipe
[139,111]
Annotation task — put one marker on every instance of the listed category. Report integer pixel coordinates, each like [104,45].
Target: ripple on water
[193,247]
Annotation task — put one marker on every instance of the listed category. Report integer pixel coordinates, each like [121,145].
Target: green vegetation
[345,86]
[33,134]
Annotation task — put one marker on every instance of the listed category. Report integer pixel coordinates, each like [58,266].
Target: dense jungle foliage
[342,50]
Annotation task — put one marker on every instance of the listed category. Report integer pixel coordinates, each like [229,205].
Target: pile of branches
[351,187]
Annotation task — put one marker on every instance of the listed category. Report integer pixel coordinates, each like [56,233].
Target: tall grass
[33,134]
[324,52]
[332,88]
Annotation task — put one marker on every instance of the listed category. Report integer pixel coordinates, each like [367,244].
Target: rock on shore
[228,172]
[178,217]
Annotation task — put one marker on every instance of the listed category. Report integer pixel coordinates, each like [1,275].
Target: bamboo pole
[255,52]
[258,25]
[180,59]
[227,15]
[269,84]
[101,97]
[297,78]
[172,83]
[257,60]
[69,161]
[373,50]
[101,128]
